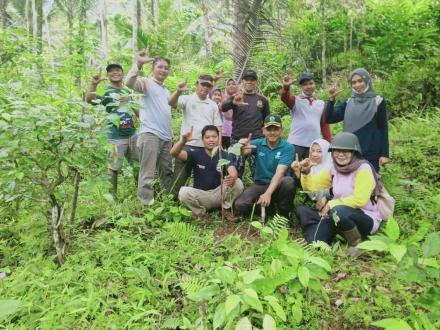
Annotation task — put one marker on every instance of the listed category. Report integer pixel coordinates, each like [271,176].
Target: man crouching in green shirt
[122,136]
[273,188]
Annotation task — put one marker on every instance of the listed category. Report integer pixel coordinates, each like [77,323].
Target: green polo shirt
[268,159]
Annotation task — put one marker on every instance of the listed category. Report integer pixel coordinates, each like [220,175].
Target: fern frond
[322,246]
[181,231]
[190,284]
[277,223]
[172,323]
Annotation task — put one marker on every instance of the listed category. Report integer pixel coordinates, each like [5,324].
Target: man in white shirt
[155,136]
[198,111]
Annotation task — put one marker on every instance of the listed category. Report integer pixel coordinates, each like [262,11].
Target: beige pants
[200,201]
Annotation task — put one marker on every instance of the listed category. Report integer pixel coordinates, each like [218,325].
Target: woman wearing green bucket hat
[352,181]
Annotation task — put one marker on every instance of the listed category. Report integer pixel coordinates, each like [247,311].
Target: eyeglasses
[340,151]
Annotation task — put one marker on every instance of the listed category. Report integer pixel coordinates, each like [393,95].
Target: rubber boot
[114,184]
[353,237]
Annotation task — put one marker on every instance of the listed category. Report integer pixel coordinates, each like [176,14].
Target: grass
[133,270]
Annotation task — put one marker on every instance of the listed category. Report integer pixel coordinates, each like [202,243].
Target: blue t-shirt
[268,159]
[206,169]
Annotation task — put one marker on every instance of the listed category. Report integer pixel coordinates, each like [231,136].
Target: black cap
[112,66]
[206,79]
[250,74]
[273,120]
[305,77]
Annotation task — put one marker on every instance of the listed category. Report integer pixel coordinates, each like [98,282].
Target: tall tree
[103,27]
[323,42]
[3,13]
[206,29]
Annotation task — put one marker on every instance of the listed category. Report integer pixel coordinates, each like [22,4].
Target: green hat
[346,141]
[272,120]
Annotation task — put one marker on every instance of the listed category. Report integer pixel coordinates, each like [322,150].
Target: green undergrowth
[129,267]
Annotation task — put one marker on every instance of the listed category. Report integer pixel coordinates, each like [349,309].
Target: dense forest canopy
[72,257]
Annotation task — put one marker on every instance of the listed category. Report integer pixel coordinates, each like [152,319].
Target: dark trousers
[341,218]
[375,163]
[315,228]
[303,152]
[241,160]
[281,200]
[226,142]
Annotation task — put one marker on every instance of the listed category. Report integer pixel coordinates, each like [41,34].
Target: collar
[160,83]
[308,98]
[264,143]
[197,98]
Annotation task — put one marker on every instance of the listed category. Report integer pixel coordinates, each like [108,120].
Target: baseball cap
[272,120]
[250,74]
[206,79]
[305,76]
[112,66]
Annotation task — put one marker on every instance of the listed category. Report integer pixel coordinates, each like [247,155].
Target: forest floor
[127,269]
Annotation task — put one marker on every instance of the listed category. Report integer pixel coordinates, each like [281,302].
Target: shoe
[353,236]
[230,217]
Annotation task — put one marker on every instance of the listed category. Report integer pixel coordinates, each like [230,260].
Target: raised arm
[177,150]
[133,81]
[180,88]
[91,92]
[287,98]
[332,114]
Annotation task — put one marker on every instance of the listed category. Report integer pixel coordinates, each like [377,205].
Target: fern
[181,231]
[171,323]
[190,284]
[322,246]
[277,223]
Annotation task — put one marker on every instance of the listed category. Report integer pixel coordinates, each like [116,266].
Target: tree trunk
[207,30]
[351,40]
[56,219]
[40,20]
[103,28]
[134,24]
[3,14]
[26,17]
[246,32]
[49,40]
[155,13]
[323,44]
[34,19]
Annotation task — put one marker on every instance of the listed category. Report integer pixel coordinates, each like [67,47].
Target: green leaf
[250,297]
[279,311]
[320,262]
[205,293]
[232,301]
[267,231]
[269,323]
[392,229]
[257,224]
[223,162]
[8,307]
[431,245]
[276,266]
[219,316]
[304,276]
[397,251]
[297,313]
[430,262]
[373,246]
[225,274]
[19,175]
[244,324]
[392,324]
[235,149]
[109,198]
[250,276]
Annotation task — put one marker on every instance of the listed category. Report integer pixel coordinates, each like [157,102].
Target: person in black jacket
[249,110]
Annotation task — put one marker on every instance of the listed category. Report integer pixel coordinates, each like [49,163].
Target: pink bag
[385,204]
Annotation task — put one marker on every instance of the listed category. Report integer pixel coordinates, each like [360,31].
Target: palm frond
[277,223]
[190,284]
[181,231]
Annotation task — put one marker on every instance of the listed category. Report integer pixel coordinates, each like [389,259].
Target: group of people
[339,175]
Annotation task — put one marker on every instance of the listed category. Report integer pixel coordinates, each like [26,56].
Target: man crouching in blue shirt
[206,193]
[272,187]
